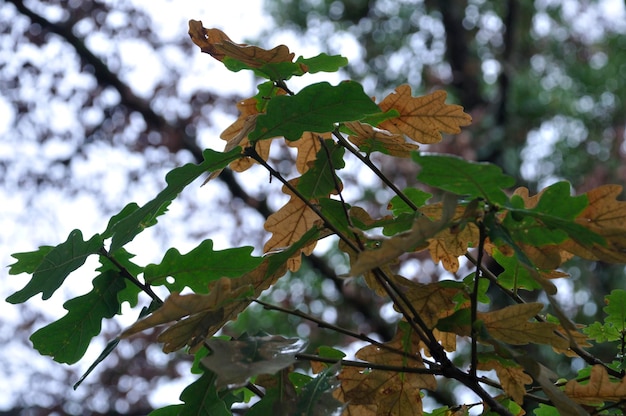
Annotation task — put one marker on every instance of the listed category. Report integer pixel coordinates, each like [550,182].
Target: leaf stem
[367,162]
[251,152]
[324,324]
[129,276]
[366,364]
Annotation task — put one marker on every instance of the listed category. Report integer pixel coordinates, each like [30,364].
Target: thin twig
[129,276]
[474,299]
[367,162]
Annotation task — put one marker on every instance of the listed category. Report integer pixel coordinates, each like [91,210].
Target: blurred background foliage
[86,130]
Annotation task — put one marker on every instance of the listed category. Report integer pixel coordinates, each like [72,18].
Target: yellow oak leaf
[217,44]
[598,389]
[308,146]
[512,326]
[369,139]
[380,392]
[290,223]
[423,119]
[451,242]
[512,378]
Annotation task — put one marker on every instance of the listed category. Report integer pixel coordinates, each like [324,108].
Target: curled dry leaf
[217,44]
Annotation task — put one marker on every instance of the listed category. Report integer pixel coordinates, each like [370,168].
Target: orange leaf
[423,119]
[289,224]
[598,389]
[369,139]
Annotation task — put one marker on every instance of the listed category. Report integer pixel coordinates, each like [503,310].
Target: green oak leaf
[323,63]
[56,265]
[515,275]
[129,226]
[315,108]
[416,196]
[461,177]
[616,309]
[319,180]
[602,332]
[280,71]
[316,397]
[67,339]
[552,220]
[200,266]
[28,262]
[200,399]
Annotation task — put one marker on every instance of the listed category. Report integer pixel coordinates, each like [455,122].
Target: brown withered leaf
[512,378]
[423,119]
[415,239]
[386,392]
[370,139]
[201,312]
[217,44]
[598,389]
[290,223]
[511,325]
[197,317]
[308,146]
[207,38]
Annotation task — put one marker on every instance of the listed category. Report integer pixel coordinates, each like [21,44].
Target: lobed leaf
[29,261]
[56,264]
[422,118]
[377,391]
[512,377]
[316,108]
[289,224]
[600,388]
[320,180]
[197,316]
[417,238]
[200,266]
[605,216]
[66,340]
[370,139]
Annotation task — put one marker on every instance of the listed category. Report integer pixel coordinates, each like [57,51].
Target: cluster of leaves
[475,215]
